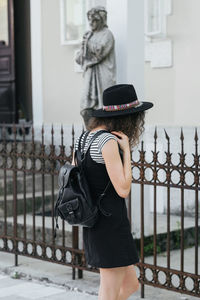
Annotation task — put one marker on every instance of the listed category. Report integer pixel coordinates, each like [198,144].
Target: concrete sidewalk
[20,289]
[36,279]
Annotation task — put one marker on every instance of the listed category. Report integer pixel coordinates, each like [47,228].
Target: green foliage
[149,248]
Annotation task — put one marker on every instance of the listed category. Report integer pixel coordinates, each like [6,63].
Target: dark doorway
[15,61]
[23,58]
[8,108]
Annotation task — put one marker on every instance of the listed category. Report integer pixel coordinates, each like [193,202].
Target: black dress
[109,243]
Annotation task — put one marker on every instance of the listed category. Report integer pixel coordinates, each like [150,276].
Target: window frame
[163,7]
[63,24]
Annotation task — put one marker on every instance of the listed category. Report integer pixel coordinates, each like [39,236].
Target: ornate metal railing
[187,178]
[28,191]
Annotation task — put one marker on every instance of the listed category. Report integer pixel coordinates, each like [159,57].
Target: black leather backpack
[74,202]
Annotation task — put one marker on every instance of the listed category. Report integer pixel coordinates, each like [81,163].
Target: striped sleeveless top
[97,144]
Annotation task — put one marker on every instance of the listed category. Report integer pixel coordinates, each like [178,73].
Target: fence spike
[52,129]
[196,135]
[62,134]
[42,132]
[166,135]
[32,132]
[182,136]
[142,145]
[52,134]
[155,133]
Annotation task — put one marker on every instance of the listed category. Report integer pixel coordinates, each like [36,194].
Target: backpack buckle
[69,208]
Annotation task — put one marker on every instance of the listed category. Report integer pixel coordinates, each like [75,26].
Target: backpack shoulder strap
[79,152]
[79,143]
[94,137]
[84,140]
[79,157]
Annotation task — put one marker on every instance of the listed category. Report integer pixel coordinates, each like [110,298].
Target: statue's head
[97,17]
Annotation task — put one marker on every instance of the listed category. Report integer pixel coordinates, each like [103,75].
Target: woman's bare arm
[120,173]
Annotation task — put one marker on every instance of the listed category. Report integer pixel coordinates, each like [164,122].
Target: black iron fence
[187,178]
[28,191]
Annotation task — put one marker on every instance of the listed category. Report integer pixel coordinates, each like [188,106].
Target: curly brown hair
[132,125]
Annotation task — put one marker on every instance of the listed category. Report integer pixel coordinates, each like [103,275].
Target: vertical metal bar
[52,158]
[142,275]
[155,199]
[182,181]
[43,189]
[73,143]
[168,175]
[33,190]
[76,236]
[63,233]
[75,229]
[182,229]
[14,158]
[62,155]
[4,153]
[196,164]
[24,178]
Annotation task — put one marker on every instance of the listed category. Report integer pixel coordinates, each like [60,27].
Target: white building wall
[126,21]
[173,90]
[176,90]
[61,85]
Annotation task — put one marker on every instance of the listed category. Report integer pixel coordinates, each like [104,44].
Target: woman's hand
[122,139]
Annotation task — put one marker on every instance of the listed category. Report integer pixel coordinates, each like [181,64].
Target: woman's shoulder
[99,141]
[107,134]
[105,137]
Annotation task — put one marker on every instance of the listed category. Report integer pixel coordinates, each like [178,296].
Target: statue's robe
[98,62]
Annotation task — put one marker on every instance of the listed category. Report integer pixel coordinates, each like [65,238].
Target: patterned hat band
[135,103]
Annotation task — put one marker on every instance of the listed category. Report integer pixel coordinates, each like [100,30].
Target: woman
[109,245]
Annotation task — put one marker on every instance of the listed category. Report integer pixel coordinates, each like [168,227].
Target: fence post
[14,152]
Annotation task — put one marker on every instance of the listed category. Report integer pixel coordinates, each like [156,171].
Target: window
[156,12]
[158,47]
[74,19]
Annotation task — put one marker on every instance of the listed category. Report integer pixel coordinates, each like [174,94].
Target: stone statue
[97,59]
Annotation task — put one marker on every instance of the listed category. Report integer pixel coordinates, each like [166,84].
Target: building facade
[157,49]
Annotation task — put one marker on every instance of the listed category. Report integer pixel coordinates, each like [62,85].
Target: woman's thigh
[112,277]
[130,281]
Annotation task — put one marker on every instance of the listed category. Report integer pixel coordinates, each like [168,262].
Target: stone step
[161,233]
[38,228]
[28,182]
[29,202]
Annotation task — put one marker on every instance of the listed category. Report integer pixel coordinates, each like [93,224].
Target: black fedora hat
[120,99]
